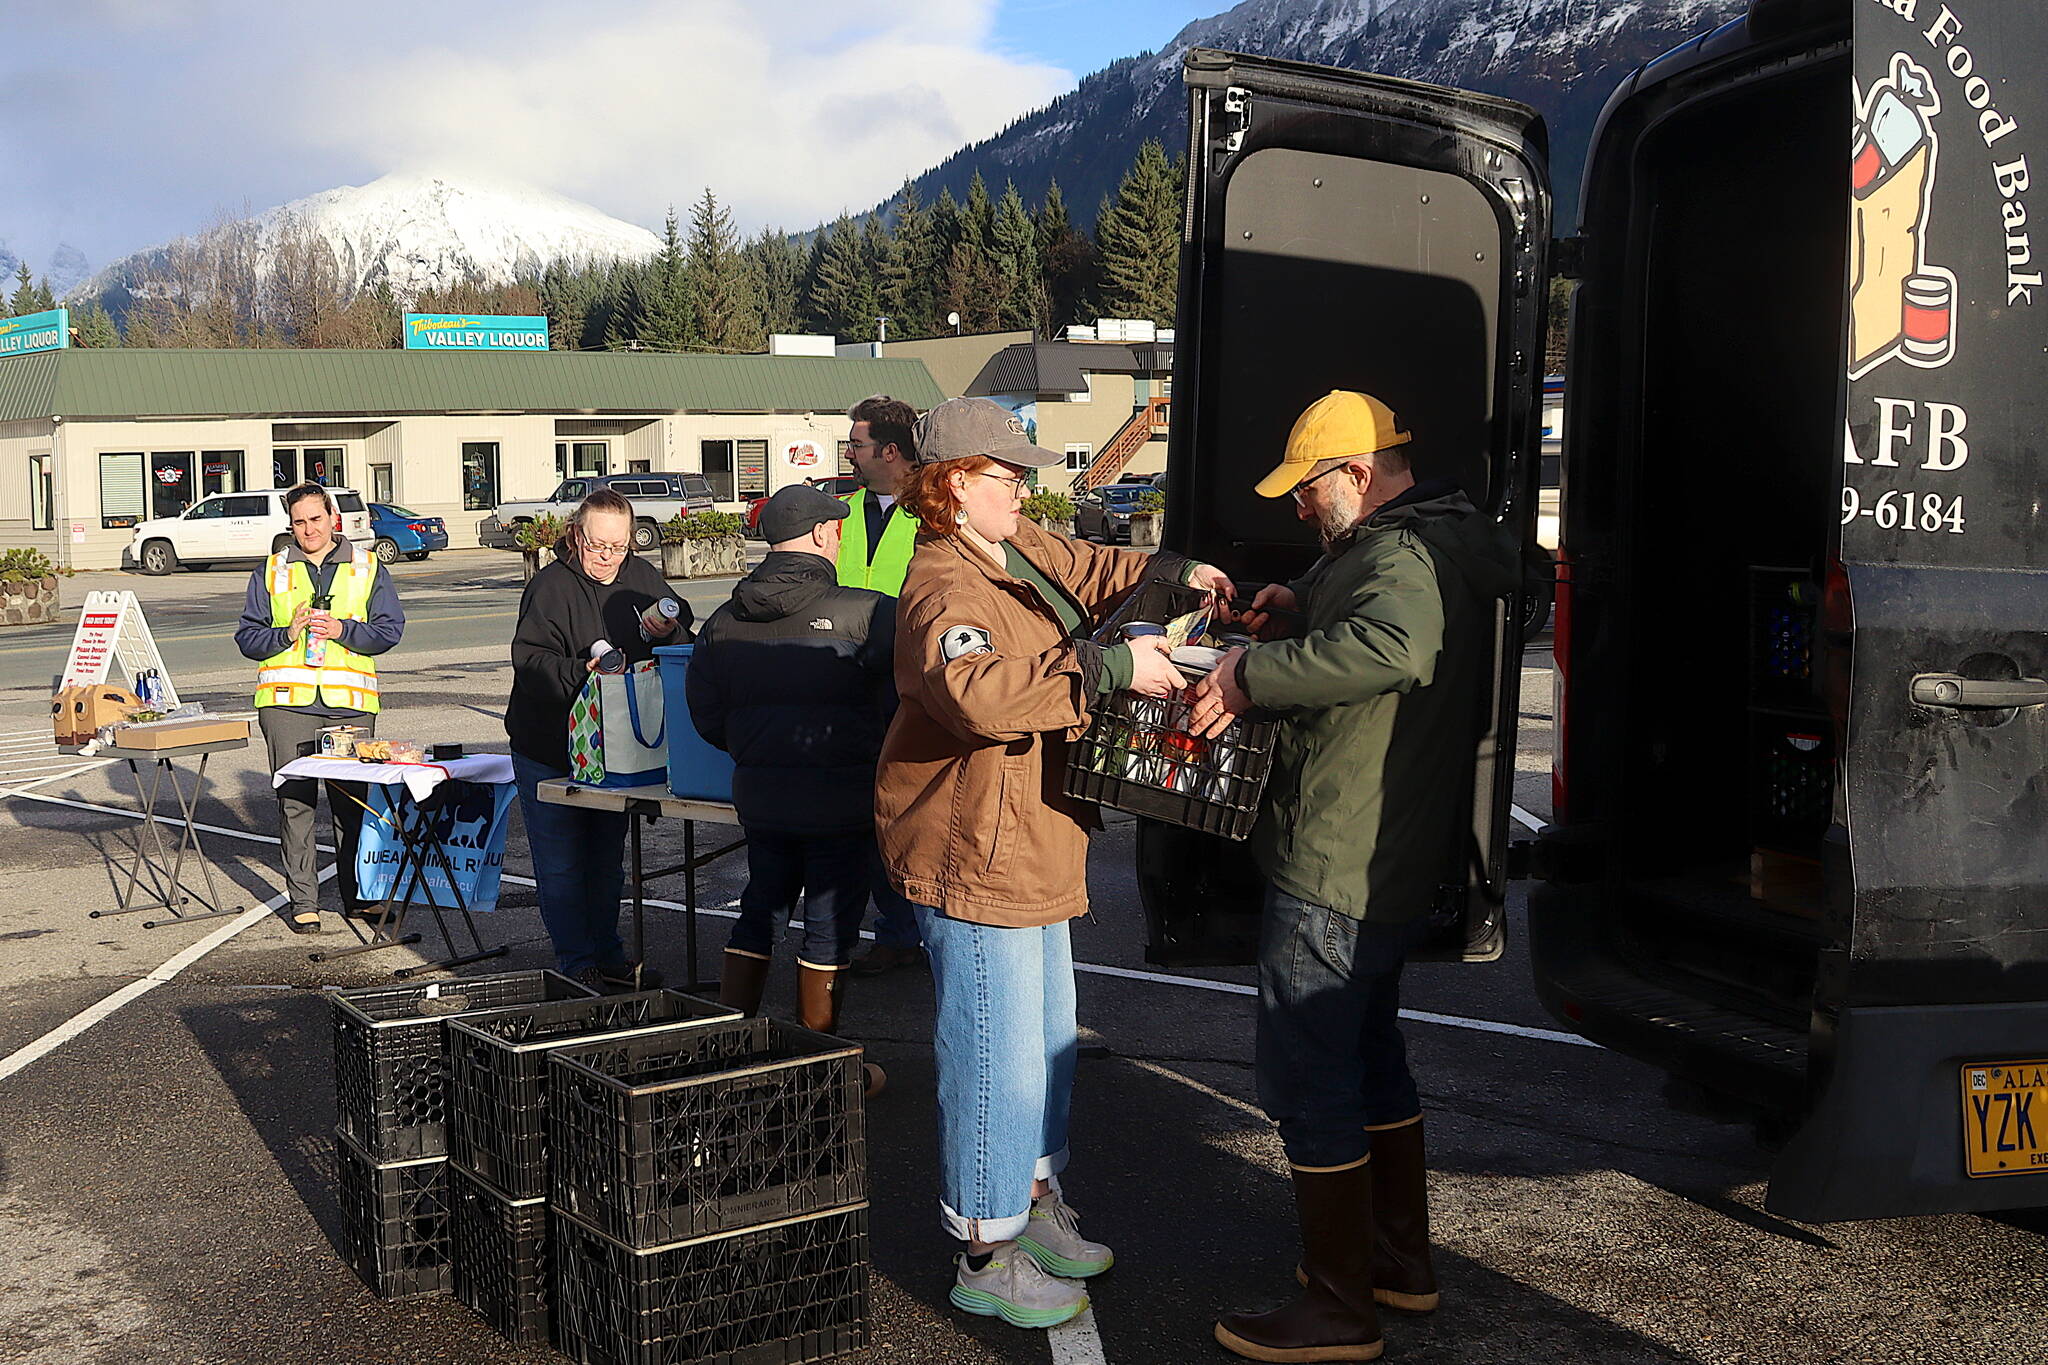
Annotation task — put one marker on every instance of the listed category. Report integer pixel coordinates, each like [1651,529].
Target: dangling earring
[960,517]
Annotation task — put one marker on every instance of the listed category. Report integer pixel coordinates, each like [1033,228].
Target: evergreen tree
[1066,261]
[1013,247]
[883,256]
[776,265]
[95,327]
[668,317]
[615,323]
[919,258]
[977,216]
[1139,240]
[842,298]
[45,300]
[566,293]
[25,298]
[722,287]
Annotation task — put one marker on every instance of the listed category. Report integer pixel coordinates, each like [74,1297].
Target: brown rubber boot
[1402,1276]
[1334,1317]
[817,1009]
[742,979]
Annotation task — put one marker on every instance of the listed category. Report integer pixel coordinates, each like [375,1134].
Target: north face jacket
[1382,699]
[791,677]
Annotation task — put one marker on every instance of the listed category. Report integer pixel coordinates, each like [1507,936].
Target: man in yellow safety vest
[874,552]
[314,617]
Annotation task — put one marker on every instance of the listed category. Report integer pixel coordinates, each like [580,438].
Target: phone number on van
[1911,511]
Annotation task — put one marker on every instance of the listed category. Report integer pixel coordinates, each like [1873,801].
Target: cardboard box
[92,707]
[179,734]
[62,726]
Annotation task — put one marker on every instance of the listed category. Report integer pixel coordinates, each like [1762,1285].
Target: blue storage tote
[695,768]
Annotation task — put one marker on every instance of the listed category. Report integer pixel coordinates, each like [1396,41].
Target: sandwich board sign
[111,627]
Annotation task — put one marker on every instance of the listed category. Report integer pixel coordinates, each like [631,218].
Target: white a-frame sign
[110,627]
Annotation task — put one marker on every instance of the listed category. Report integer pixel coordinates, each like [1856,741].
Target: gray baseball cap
[960,427]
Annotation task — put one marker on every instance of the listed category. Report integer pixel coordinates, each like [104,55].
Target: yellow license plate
[2005,1118]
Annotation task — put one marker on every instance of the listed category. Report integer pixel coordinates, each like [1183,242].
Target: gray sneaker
[1053,1239]
[1013,1288]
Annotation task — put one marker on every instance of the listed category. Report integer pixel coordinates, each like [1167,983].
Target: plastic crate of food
[498,1254]
[391,1062]
[497,1113]
[667,1136]
[1783,628]
[394,1221]
[783,1294]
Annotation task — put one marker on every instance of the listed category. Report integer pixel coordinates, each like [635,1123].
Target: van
[1796,855]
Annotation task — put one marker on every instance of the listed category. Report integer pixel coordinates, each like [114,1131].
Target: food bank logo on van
[460,332]
[1900,306]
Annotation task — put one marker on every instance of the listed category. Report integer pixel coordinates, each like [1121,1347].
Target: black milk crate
[781,1294]
[498,1253]
[390,1061]
[497,1113]
[667,1136]
[1137,755]
[394,1221]
[1792,775]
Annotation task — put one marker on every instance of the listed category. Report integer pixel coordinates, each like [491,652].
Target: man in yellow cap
[1383,691]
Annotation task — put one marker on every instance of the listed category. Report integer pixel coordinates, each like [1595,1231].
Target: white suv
[247,525]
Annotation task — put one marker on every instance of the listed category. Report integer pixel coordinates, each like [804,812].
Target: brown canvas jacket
[968,805]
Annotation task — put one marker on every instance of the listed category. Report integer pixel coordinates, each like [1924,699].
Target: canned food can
[1929,310]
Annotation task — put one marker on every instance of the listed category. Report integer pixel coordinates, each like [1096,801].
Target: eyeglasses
[1313,477]
[1016,482]
[599,547]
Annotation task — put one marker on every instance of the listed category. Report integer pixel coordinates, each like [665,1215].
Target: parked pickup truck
[655,498]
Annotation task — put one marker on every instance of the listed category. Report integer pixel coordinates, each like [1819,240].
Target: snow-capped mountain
[1564,57]
[64,269]
[418,233]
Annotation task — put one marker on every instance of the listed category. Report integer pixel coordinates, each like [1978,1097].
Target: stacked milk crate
[391,1135]
[638,1178]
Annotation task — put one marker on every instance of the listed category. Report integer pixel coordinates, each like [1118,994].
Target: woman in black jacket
[595,591]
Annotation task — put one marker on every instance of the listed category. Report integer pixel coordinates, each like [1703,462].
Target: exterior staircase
[1111,461]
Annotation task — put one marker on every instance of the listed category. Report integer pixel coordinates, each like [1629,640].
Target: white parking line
[1076,1342]
[1527,819]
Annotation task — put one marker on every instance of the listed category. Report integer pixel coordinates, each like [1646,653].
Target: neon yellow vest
[344,677]
[892,556]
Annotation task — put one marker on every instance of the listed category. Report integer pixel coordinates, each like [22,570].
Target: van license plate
[2005,1118]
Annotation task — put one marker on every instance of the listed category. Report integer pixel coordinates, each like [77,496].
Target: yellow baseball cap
[1339,424]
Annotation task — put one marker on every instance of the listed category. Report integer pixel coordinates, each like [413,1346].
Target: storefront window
[40,493]
[380,483]
[753,471]
[846,458]
[220,471]
[324,466]
[1077,455]
[582,459]
[284,468]
[121,495]
[717,467]
[479,476]
[170,482]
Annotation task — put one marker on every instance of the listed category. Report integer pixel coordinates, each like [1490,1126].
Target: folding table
[162,868]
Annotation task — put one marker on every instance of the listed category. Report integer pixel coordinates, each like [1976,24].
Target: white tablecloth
[419,778]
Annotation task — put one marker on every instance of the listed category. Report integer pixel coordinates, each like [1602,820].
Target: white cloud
[791,110]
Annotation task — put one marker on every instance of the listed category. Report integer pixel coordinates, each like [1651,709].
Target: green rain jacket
[1382,699]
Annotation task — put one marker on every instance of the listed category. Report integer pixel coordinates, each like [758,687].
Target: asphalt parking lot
[166,1170]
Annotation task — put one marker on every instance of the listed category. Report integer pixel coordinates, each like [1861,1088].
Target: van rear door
[1356,232]
[1930,1034]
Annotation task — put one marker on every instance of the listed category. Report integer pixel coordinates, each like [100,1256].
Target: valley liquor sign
[49,330]
[474,332]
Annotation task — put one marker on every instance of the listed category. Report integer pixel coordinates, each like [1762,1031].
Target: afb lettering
[1905,426]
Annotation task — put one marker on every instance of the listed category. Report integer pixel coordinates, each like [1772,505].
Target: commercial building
[1103,404]
[93,441]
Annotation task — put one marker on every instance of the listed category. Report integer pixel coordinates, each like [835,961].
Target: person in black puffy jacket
[792,677]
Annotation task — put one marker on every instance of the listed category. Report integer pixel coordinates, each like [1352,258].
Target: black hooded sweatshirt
[792,677]
[562,614]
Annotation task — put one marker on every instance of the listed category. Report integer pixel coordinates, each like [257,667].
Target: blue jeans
[830,871]
[579,867]
[1330,1061]
[895,916]
[1004,1039]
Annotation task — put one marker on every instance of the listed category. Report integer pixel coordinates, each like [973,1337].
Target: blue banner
[472,823]
[474,332]
[46,331]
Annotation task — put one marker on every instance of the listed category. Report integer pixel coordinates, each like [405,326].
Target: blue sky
[131,122]
[1087,35]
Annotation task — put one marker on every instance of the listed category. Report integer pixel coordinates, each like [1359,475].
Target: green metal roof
[163,383]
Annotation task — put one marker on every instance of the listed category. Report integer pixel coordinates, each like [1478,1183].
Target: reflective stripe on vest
[892,556]
[344,677]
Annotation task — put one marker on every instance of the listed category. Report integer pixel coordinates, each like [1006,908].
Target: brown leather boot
[817,1009]
[742,979]
[1334,1317]
[1402,1276]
